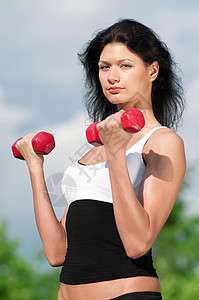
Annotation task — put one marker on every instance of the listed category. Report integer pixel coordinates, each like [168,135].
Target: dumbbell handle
[132,121]
[42,143]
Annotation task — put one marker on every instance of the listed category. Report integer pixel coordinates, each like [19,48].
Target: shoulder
[164,140]
[165,143]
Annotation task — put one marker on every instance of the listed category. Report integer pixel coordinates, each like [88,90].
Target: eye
[126,66]
[104,67]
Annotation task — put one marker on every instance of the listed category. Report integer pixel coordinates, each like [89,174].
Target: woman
[105,237]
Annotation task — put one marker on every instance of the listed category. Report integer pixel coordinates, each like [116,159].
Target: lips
[115,90]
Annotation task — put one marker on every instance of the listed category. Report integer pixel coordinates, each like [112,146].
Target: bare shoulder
[164,140]
[165,152]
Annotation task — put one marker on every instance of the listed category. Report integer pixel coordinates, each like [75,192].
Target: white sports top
[92,181]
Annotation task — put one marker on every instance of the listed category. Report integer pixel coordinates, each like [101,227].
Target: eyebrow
[120,60]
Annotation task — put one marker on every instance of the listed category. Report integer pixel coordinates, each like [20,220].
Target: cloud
[192,97]
[70,140]
[11,117]
[41,39]
[73,9]
[189,132]
[42,20]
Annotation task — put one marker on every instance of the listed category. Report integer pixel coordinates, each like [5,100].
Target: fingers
[111,122]
[24,146]
[25,141]
[111,132]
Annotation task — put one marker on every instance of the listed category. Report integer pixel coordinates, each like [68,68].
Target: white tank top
[92,181]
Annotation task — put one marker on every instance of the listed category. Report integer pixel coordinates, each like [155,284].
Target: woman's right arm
[51,231]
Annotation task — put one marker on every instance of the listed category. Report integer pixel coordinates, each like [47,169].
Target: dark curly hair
[167,92]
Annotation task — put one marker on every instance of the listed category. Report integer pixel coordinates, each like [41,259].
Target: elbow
[55,262]
[136,250]
[55,256]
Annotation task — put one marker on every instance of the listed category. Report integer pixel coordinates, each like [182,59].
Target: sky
[42,89]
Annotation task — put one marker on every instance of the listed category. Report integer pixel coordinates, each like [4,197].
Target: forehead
[117,51]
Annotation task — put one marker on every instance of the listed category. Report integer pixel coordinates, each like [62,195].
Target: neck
[150,119]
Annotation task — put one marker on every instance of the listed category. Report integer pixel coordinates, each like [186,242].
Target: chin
[119,102]
[115,99]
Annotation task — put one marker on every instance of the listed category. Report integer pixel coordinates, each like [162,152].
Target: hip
[106,290]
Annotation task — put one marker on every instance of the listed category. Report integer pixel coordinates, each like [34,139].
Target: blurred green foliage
[18,278]
[175,252]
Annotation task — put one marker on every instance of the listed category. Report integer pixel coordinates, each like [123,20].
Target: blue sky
[41,86]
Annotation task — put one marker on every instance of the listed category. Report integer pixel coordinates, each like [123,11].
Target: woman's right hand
[24,146]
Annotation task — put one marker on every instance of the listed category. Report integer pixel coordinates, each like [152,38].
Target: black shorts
[139,296]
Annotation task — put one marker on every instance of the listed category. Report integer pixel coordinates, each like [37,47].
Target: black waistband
[146,295]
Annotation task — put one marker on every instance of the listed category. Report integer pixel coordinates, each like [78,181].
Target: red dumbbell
[132,120]
[43,143]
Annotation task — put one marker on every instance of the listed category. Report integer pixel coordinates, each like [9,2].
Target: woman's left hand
[112,134]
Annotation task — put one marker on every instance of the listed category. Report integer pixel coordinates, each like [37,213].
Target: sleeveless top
[95,251]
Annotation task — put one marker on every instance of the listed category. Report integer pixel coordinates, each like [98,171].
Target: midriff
[107,290]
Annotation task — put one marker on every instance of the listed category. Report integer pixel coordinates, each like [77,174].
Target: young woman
[105,237]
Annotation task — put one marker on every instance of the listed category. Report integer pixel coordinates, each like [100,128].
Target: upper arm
[165,169]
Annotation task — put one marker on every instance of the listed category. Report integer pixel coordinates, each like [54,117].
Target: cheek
[139,80]
[102,81]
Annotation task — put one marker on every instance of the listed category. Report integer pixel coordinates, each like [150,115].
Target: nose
[113,76]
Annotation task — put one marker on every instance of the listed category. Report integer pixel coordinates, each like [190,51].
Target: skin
[139,220]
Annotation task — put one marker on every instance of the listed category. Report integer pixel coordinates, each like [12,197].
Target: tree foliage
[18,278]
[176,254]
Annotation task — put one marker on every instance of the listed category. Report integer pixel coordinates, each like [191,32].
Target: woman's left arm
[139,220]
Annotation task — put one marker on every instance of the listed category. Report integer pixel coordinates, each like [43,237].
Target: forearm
[51,231]
[131,218]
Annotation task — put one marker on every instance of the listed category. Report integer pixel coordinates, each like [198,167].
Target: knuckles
[111,131]
[25,141]
[111,122]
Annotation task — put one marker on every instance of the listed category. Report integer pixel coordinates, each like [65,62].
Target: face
[125,79]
